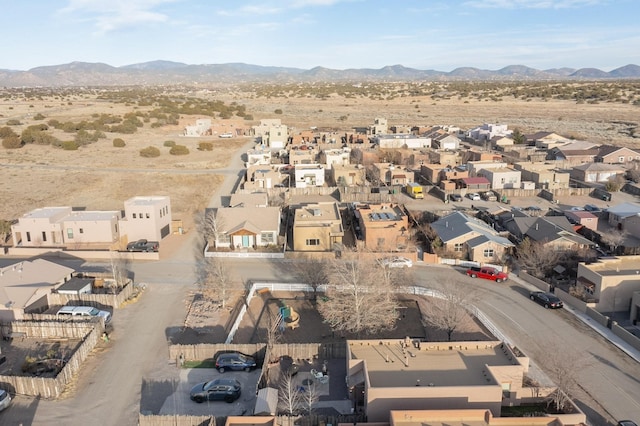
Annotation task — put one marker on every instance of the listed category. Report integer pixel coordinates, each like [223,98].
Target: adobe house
[385,227]
[317,227]
[611,281]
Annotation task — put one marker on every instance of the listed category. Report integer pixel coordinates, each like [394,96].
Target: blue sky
[338,34]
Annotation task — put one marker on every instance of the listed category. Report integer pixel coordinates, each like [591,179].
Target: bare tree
[289,397]
[449,311]
[614,239]
[312,271]
[562,366]
[213,225]
[359,299]
[309,397]
[5,230]
[119,268]
[537,259]
[217,282]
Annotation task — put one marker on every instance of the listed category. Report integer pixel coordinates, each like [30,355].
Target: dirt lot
[43,354]
[99,176]
[312,328]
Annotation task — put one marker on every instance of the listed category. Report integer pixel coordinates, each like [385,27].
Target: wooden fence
[204,351]
[45,387]
[53,329]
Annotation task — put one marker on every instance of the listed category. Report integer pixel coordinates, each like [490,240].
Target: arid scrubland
[67,154]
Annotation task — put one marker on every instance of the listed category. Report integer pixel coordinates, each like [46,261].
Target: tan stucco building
[317,227]
[612,282]
[385,227]
[146,217]
[386,375]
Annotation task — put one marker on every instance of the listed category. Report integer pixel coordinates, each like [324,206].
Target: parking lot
[179,402]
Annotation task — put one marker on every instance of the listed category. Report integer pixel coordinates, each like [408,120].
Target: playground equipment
[290,318]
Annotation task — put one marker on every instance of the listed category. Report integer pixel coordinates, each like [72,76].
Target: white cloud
[111,15]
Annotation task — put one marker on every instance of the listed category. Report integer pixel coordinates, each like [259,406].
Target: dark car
[627,423]
[547,300]
[455,197]
[216,390]
[234,361]
[591,208]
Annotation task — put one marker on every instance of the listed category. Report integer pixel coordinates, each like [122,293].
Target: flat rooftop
[462,365]
[87,216]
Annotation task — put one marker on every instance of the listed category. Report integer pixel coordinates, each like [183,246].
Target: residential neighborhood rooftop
[460,365]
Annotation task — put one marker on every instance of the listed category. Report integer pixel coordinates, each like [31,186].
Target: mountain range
[168,72]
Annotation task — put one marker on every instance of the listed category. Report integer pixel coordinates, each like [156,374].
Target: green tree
[518,137]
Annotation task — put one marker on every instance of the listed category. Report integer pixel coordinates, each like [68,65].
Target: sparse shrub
[169,143]
[13,122]
[69,145]
[277,111]
[150,152]
[12,142]
[248,117]
[7,131]
[179,150]
[205,146]
[119,143]
[39,116]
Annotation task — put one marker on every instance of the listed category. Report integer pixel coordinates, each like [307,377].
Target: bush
[118,143]
[39,116]
[150,152]
[205,146]
[7,131]
[12,142]
[69,145]
[278,111]
[13,122]
[179,150]
[169,143]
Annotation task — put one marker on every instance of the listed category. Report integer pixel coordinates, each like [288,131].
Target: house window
[44,236]
[148,216]
[134,215]
[458,247]
[140,215]
[488,253]
[29,236]
[621,159]
[70,233]
[267,237]
[224,238]
[312,242]
[81,230]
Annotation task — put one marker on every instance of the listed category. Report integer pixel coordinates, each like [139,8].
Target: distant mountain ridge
[168,72]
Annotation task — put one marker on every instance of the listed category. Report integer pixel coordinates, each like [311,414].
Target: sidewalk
[600,329]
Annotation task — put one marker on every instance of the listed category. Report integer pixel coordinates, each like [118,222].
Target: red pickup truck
[487,273]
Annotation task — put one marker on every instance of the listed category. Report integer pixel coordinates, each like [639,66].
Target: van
[87,311]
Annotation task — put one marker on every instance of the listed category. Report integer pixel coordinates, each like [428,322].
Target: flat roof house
[385,227]
[309,175]
[317,227]
[146,217]
[611,281]
[387,375]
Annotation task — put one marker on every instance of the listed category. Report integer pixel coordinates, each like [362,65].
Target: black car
[547,300]
[455,197]
[216,390]
[234,361]
[627,423]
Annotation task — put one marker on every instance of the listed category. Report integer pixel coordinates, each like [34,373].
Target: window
[70,233]
[458,247]
[147,216]
[488,253]
[134,215]
[44,236]
[29,236]
[224,238]
[81,230]
[621,159]
[140,215]
[267,237]
[313,242]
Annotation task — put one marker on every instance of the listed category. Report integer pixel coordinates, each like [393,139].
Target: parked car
[474,196]
[234,361]
[627,423]
[547,300]
[5,399]
[487,273]
[591,208]
[455,197]
[85,311]
[225,135]
[143,245]
[396,262]
[216,390]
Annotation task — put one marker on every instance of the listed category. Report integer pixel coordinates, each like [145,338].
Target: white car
[474,196]
[396,262]
[5,399]
[226,135]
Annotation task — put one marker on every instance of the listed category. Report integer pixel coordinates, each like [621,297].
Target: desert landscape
[100,176]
